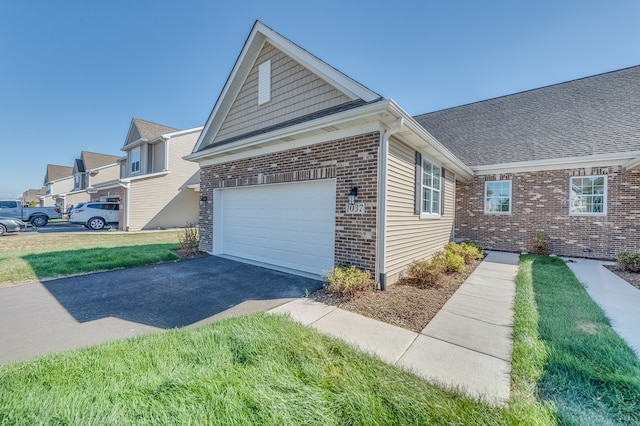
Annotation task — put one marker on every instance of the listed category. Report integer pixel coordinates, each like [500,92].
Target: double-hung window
[497,197]
[431,188]
[135,160]
[588,195]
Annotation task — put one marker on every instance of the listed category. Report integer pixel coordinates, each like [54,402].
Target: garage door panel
[289,225]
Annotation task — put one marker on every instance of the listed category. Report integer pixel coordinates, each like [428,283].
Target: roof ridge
[530,90]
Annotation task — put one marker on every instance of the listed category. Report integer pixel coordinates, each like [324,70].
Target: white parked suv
[95,215]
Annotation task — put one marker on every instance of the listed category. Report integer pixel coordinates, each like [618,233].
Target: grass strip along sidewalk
[588,373]
[255,369]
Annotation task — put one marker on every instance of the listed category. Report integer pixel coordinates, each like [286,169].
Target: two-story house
[156,187]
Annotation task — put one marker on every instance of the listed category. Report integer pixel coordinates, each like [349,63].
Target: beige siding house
[155,186]
[302,168]
[90,169]
[58,181]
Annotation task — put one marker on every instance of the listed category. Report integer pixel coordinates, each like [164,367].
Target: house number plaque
[355,208]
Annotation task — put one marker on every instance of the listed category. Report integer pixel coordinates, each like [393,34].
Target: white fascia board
[142,177]
[633,163]
[134,144]
[105,166]
[612,159]
[371,110]
[106,185]
[460,167]
[181,133]
[283,146]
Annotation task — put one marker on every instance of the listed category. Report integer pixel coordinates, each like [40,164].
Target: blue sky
[74,73]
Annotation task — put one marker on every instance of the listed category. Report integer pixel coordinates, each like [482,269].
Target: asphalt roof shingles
[589,116]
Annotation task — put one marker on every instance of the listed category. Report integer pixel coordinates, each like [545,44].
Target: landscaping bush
[348,281]
[190,239]
[425,273]
[540,243]
[629,262]
[468,251]
[454,261]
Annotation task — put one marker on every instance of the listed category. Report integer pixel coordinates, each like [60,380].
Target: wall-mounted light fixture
[203,198]
[353,194]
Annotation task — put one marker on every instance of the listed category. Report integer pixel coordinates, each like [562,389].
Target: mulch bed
[401,305]
[632,278]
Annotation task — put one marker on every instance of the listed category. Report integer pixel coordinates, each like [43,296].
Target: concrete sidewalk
[466,346]
[619,300]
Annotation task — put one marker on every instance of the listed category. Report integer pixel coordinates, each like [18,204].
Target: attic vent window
[264,82]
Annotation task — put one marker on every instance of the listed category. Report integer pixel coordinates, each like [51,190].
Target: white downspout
[382,201]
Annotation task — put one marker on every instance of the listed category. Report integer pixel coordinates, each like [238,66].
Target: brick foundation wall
[352,161]
[540,201]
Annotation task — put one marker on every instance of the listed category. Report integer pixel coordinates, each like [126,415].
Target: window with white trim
[431,188]
[264,82]
[497,197]
[588,195]
[135,160]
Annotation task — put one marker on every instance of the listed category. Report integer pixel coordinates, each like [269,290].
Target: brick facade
[351,161]
[540,201]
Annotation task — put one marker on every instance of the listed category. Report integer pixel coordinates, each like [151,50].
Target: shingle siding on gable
[295,92]
[540,201]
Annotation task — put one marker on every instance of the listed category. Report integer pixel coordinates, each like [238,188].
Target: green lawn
[34,256]
[569,367]
[256,369]
[589,372]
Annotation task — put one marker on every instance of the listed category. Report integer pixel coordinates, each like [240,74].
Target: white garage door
[290,225]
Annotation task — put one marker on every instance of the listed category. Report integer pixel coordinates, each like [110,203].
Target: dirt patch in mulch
[632,278]
[401,305]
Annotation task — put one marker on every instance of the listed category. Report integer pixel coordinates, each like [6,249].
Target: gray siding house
[302,168]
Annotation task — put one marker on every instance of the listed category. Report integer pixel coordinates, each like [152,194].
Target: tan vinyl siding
[408,237]
[295,92]
[157,162]
[75,198]
[165,201]
[106,174]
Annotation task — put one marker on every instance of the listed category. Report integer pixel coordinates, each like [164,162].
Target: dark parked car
[10,224]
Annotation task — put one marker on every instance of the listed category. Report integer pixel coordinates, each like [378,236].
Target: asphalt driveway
[44,317]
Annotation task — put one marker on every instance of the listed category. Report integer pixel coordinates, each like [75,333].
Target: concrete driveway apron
[43,317]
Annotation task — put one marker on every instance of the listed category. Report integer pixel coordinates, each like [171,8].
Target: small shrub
[349,280]
[629,261]
[469,252]
[189,239]
[540,243]
[425,273]
[455,262]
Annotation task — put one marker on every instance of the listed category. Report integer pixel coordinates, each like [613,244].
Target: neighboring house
[562,159]
[289,139]
[58,180]
[156,187]
[33,196]
[89,170]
